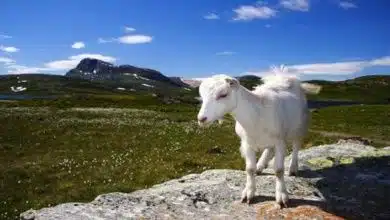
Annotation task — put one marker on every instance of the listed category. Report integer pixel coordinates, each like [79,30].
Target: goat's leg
[293,169]
[281,194]
[250,167]
[265,157]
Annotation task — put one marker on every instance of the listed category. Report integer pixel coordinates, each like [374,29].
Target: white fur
[266,119]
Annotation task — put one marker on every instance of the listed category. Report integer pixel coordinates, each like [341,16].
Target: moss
[376,153]
[346,160]
[321,162]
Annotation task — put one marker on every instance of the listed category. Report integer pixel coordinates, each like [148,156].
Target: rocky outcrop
[338,181]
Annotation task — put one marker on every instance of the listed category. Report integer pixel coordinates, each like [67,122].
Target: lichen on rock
[320,162]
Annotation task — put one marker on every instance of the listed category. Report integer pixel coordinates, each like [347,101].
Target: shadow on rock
[359,190]
[292,202]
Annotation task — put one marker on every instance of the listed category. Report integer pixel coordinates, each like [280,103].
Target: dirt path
[346,135]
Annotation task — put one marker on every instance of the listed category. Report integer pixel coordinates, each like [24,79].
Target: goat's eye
[222,96]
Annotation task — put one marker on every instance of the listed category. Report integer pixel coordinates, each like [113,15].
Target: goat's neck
[247,109]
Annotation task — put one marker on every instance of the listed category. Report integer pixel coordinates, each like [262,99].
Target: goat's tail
[310,88]
[281,79]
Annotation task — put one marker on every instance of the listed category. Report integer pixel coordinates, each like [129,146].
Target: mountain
[98,70]
[179,81]
[192,82]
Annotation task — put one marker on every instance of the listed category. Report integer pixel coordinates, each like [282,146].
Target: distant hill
[45,85]
[373,88]
[179,81]
[98,70]
[249,81]
[96,77]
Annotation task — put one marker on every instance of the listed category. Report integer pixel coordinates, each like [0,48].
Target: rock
[357,140]
[268,210]
[337,181]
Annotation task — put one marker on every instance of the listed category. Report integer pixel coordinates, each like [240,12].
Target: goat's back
[285,104]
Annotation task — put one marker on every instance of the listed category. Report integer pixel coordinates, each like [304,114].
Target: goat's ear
[232,82]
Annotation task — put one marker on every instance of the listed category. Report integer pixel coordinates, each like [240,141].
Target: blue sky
[332,39]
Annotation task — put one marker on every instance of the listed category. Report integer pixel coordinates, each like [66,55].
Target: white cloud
[128,39]
[347,4]
[336,68]
[329,68]
[295,5]
[3,36]
[6,60]
[72,61]
[129,29]
[135,39]
[249,12]
[225,53]
[62,64]
[20,69]
[78,45]
[383,61]
[9,49]
[211,16]
[267,25]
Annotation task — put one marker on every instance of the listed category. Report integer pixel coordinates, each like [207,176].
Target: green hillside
[368,89]
[362,89]
[44,89]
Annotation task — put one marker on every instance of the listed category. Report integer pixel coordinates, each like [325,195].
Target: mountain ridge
[93,76]
[98,70]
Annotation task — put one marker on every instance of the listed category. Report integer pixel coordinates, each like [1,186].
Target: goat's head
[219,97]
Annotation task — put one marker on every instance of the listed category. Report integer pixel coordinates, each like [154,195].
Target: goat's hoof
[247,201]
[259,169]
[282,199]
[284,204]
[280,205]
[243,199]
[292,173]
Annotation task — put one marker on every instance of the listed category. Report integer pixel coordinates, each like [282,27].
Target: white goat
[266,118]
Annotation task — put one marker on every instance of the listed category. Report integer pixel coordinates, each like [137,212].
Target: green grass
[370,121]
[52,155]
